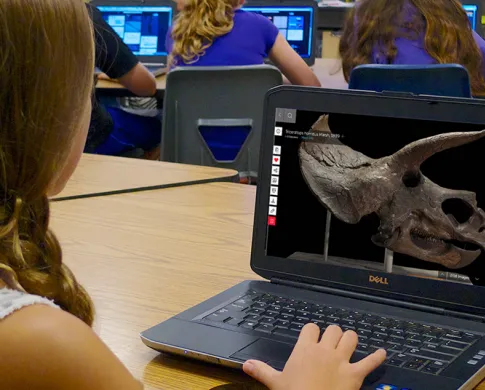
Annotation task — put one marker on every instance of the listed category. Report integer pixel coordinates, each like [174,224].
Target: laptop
[295,21]
[142,26]
[368,215]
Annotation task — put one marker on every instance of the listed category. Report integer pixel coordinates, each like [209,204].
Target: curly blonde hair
[46,79]
[196,27]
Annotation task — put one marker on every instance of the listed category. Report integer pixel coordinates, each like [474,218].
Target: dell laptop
[143,27]
[369,215]
[296,21]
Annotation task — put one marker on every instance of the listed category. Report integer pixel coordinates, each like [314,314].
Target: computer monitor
[295,23]
[472,12]
[388,191]
[143,28]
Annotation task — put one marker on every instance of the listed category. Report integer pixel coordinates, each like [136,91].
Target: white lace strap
[12,300]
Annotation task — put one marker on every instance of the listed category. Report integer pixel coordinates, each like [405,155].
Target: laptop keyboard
[409,344]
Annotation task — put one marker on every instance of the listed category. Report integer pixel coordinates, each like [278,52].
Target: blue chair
[438,80]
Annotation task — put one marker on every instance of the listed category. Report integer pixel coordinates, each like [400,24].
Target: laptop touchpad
[265,350]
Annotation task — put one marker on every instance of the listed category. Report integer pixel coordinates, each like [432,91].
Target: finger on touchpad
[375,375]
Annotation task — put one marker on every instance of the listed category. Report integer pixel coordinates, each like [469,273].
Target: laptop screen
[471,11]
[142,28]
[294,23]
[379,194]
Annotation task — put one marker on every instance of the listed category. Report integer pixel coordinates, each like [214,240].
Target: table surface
[147,256]
[101,175]
[328,71]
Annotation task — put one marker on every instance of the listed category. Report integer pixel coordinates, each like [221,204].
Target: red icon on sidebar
[271,221]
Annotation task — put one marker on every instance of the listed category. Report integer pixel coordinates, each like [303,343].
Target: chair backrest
[439,80]
[209,112]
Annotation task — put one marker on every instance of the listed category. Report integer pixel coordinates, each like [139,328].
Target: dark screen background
[301,218]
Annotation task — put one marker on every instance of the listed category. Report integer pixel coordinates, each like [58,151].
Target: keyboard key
[249,325]
[454,344]
[286,333]
[429,355]
[412,343]
[430,369]
[295,326]
[268,320]
[415,364]
[255,311]
[265,328]
[441,349]
[285,317]
[401,356]
[363,347]
[395,362]
[282,324]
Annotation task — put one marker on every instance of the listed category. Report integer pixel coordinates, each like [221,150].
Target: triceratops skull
[411,208]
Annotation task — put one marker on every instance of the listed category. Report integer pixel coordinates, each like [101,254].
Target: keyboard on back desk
[409,344]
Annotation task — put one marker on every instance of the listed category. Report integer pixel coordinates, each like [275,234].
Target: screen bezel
[292,4]
[423,291]
[142,3]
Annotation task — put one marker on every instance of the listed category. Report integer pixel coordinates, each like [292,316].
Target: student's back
[412,32]
[248,43]
[219,33]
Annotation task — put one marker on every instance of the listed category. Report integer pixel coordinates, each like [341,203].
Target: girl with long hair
[412,32]
[46,78]
[220,33]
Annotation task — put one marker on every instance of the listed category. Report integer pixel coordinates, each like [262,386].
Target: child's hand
[320,365]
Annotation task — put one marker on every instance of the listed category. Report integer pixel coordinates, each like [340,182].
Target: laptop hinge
[376,299]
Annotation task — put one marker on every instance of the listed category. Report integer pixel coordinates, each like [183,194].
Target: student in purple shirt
[412,32]
[219,33]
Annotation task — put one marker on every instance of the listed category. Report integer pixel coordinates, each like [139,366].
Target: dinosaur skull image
[411,208]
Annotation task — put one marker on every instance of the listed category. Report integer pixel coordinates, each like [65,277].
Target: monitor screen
[377,193]
[294,23]
[471,11]
[142,28]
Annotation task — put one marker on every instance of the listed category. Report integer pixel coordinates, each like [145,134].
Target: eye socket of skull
[460,210]
[412,179]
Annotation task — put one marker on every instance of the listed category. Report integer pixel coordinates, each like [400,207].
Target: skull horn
[413,155]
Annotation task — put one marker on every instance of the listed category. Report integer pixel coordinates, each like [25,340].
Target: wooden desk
[147,256]
[104,175]
[327,71]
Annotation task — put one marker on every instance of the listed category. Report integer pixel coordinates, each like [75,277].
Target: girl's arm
[291,64]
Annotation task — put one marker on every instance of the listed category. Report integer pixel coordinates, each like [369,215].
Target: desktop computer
[295,21]
[143,27]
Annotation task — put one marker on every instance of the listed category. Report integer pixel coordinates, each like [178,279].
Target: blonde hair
[197,25]
[46,79]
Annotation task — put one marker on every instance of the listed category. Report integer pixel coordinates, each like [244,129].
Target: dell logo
[378,279]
